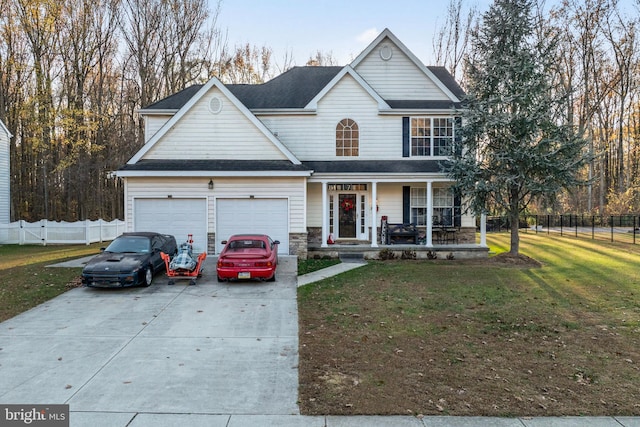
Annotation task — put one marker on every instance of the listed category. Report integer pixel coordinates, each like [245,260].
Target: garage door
[179,217]
[263,216]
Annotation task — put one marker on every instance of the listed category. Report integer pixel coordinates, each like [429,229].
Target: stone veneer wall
[211,243]
[298,244]
[314,235]
[467,235]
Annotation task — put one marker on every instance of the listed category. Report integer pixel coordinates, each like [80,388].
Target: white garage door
[178,217]
[263,216]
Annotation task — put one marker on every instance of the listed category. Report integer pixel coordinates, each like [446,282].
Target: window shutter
[458,135]
[406,204]
[405,137]
[457,210]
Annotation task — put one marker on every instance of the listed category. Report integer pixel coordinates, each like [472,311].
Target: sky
[343,28]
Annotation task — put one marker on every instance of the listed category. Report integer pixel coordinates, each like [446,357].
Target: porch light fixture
[211,184]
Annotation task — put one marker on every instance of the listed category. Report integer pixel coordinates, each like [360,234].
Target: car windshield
[129,244]
[244,244]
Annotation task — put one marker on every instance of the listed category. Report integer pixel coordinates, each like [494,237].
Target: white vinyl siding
[314,137]
[152,124]
[398,78]
[227,135]
[4,176]
[390,202]
[314,205]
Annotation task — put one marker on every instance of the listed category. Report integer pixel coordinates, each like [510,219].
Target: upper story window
[431,136]
[347,138]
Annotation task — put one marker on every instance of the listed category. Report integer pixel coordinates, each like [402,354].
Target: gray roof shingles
[296,87]
[342,166]
[214,166]
[376,166]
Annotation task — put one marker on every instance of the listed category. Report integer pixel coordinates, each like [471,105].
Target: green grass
[25,281]
[568,330]
[310,265]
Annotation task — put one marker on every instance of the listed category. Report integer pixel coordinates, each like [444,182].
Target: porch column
[429,214]
[374,216]
[483,230]
[325,215]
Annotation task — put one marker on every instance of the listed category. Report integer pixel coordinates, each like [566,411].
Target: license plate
[244,275]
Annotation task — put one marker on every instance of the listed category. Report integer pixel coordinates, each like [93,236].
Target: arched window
[347,138]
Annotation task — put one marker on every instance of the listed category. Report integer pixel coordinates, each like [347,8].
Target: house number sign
[347,187]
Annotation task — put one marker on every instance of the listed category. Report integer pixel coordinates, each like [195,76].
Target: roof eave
[156,112]
[418,111]
[208,174]
[284,111]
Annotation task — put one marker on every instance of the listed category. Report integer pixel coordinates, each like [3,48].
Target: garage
[255,215]
[176,216]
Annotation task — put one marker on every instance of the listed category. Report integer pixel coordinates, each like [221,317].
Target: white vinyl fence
[51,232]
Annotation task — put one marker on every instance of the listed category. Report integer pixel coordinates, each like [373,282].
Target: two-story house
[315,156]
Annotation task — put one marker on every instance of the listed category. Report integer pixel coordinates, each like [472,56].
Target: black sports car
[131,259]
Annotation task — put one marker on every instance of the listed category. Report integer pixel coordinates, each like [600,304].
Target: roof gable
[396,73]
[347,70]
[195,106]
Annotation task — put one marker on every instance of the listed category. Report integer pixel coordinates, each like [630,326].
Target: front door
[347,215]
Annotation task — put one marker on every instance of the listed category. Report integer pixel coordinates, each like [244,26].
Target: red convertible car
[248,256]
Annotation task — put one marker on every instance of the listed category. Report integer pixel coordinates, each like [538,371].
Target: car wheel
[148,276]
[272,278]
[220,279]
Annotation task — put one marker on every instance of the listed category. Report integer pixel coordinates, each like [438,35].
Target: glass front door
[347,216]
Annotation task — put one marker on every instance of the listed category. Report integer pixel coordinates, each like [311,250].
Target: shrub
[386,254]
[408,254]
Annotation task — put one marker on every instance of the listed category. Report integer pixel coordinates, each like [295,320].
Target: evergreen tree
[515,146]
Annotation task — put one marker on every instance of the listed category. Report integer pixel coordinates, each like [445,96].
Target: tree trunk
[514,221]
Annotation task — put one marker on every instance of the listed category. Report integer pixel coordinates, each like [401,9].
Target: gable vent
[386,52]
[215,105]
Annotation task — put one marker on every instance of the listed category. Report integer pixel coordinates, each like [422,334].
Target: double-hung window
[431,136]
[443,207]
[418,201]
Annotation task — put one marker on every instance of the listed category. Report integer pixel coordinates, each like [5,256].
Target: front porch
[469,243]
[400,251]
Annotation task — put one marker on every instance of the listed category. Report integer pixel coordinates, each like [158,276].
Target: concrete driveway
[144,356]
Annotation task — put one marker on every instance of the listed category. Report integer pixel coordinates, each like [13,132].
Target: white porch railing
[46,232]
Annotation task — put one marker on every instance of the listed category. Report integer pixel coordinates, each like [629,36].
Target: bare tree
[247,64]
[451,41]
[322,59]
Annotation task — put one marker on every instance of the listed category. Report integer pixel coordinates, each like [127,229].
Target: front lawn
[477,337]
[25,281]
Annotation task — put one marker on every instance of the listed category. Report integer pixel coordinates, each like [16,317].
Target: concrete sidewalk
[214,355]
[316,276]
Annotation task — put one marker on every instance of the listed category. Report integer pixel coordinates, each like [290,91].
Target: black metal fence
[613,228]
